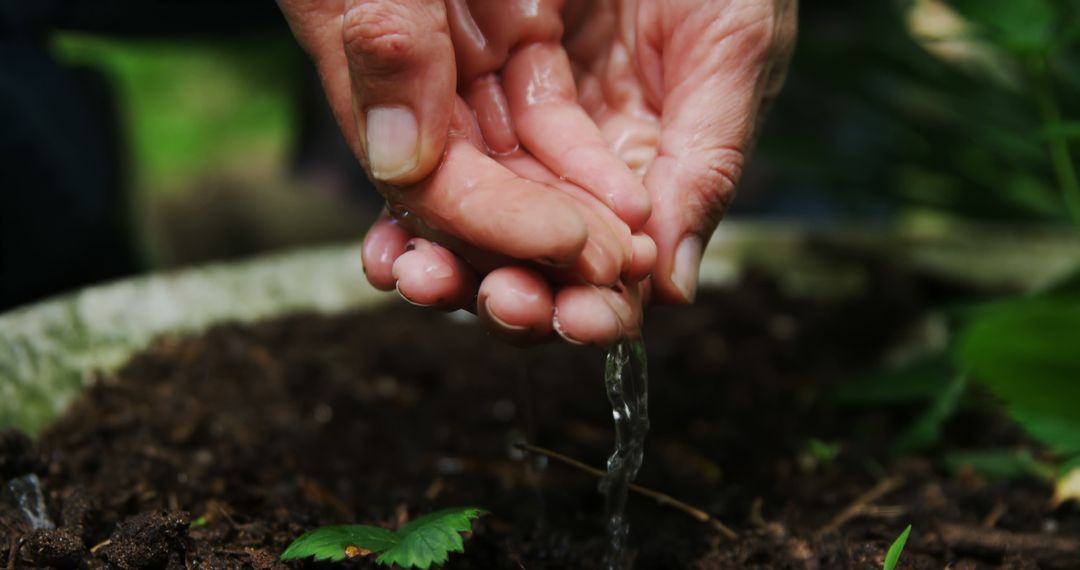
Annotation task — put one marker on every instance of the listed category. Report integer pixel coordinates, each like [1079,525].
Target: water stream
[627,383]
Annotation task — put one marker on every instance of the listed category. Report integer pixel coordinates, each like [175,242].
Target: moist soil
[258,433]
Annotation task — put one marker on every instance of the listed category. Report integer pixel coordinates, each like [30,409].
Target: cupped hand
[593,98]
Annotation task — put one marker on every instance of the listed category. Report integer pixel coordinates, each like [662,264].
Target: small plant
[425,541]
[818,453]
[892,557]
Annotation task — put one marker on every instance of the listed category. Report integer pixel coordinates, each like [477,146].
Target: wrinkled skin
[557,164]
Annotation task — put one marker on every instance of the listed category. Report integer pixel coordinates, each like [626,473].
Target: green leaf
[915,382]
[823,451]
[897,548]
[330,542]
[425,541]
[1061,130]
[999,464]
[431,538]
[1025,352]
[1026,26]
[1060,435]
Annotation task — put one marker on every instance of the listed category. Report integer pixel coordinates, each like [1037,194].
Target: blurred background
[136,136]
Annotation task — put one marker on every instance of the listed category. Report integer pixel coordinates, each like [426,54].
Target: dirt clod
[146,540]
[57,548]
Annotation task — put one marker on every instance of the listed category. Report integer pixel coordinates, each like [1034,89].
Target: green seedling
[892,557]
[818,453]
[425,541]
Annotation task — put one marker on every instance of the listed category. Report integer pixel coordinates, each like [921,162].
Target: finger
[484,31]
[403,77]
[429,275]
[474,198]
[486,97]
[552,125]
[592,315]
[643,258]
[713,76]
[516,304]
[383,244]
[609,247]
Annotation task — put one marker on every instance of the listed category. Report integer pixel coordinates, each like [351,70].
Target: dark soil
[263,432]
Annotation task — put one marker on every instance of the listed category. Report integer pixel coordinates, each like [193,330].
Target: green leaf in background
[1061,435]
[999,464]
[1061,130]
[1025,26]
[1027,352]
[425,541]
[897,548]
[915,382]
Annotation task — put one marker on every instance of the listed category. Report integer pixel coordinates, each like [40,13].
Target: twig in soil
[662,498]
[14,549]
[985,540]
[434,489]
[755,518]
[995,514]
[884,511]
[860,505]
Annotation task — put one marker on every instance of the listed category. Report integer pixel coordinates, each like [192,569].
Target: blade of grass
[897,548]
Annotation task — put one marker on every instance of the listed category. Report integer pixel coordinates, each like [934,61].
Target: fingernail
[687,261]
[503,324]
[558,329]
[392,137]
[410,301]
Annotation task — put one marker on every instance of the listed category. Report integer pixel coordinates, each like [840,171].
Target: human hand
[674,88]
[390,60]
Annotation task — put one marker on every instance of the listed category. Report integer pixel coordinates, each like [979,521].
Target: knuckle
[380,33]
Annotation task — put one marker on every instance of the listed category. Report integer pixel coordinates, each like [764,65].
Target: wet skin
[551,167]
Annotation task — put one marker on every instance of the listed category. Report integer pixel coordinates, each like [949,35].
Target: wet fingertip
[397,287]
[489,313]
[557,326]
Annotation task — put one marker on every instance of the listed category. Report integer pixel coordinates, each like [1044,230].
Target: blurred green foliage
[192,106]
[887,108]
[999,464]
[984,116]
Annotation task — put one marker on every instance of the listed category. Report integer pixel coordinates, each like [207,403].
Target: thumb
[403,79]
